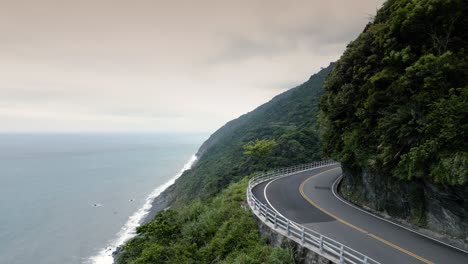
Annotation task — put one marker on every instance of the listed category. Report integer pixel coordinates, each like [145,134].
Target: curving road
[308,198]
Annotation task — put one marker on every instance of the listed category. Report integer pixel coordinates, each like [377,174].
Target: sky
[161,66]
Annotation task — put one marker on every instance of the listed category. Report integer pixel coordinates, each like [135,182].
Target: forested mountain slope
[395,114]
[289,119]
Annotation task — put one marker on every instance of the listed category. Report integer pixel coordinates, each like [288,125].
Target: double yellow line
[301,190]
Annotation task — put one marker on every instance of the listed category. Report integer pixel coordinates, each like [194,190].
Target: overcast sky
[168,66]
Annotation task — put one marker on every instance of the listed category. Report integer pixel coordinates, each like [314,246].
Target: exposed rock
[161,202]
[433,209]
[447,210]
[117,253]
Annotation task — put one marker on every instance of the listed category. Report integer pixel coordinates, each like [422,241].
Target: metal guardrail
[322,245]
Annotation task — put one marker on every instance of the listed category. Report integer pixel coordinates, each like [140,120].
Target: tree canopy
[260,149]
[397,100]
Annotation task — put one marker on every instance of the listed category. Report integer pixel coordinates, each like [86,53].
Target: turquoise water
[65,197]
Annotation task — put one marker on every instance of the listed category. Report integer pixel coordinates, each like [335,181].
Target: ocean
[72,198]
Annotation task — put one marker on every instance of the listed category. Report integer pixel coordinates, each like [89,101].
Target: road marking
[386,220]
[268,184]
[274,209]
[301,190]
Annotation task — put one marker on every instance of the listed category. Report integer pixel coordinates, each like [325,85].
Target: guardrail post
[365,260]
[287,227]
[341,255]
[302,236]
[321,244]
[276,220]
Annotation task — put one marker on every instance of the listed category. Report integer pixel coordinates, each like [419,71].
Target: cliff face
[421,204]
[447,209]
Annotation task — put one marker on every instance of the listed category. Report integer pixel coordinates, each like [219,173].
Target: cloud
[322,31]
[161,65]
[238,48]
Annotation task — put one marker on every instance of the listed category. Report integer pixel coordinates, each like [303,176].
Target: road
[307,198]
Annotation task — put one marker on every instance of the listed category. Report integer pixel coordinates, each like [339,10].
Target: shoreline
[155,202]
[159,203]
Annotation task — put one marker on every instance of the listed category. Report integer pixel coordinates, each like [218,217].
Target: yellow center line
[301,190]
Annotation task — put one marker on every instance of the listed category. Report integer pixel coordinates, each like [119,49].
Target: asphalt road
[307,198]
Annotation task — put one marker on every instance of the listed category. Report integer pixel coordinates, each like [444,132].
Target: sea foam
[128,231]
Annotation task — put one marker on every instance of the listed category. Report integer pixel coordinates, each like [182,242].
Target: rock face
[447,209]
[437,210]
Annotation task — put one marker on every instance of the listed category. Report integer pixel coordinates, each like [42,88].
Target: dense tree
[260,149]
[397,100]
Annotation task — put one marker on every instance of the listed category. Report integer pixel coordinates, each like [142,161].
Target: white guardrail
[320,244]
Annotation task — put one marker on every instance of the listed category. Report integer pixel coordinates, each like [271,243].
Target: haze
[164,66]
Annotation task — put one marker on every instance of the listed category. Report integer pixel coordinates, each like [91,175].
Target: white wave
[128,231]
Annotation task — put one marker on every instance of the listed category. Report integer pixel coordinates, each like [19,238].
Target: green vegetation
[260,150]
[218,230]
[397,100]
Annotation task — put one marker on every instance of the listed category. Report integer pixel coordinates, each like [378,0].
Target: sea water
[72,198]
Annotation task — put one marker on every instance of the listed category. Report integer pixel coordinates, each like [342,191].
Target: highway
[308,198]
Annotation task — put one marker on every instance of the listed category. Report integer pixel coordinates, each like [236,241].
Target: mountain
[289,119]
[205,220]
[395,114]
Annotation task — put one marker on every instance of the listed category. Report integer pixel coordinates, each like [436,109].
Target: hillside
[395,114]
[289,119]
[207,221]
